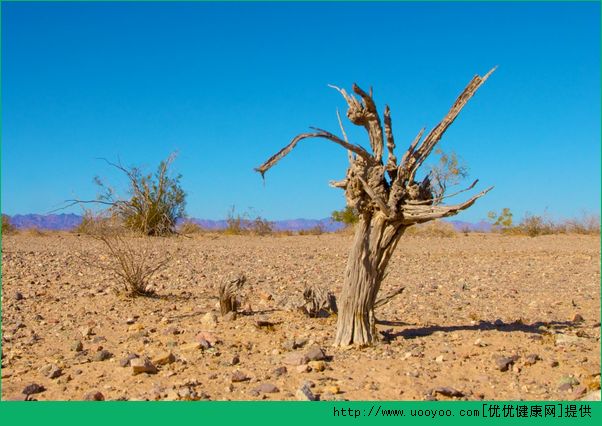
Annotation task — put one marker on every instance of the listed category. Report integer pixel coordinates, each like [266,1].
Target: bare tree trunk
[388,197]
[373,245]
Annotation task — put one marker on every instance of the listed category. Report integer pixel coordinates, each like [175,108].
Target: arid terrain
[483,316]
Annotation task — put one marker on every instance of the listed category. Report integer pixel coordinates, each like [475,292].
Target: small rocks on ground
[279,371]
[267,388]
[164,359]
[305,394]
[142,365]
[317,365]
[239,376]
[125,362]
[94,396]
[532,359]
[296,358]
[315,353]
[32,388]
[77,346]
[503,363]
[102,355]
[447,391]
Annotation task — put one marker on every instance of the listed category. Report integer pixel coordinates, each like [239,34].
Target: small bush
[130,255]
[316,230]
[261,226]
[189,227]
[235,222]
[435,228]
[348,216]
[587,224]
[7,227]
[533,226]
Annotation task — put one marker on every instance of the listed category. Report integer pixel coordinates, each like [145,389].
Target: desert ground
[483,316]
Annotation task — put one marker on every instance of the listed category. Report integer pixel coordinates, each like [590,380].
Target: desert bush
[316,230]
[35,232]
[261,226]
[235,222]
[535,225]
[155,203]
[503,221]
[7,227]
[129,255]
[450,170]
[189,227]
[435,228]
[348,216]
[586,224]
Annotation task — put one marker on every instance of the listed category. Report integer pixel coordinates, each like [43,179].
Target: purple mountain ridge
[65,222]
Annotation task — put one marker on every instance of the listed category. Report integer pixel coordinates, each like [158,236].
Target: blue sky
[227,85]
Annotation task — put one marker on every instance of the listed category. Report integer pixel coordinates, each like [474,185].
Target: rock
[296,358]
[77,346]
[305,394]
[239,376]
[578,318]
[171,330]
[332,389]
[480,343]
[230,316]
[130,321]
[279,371]
[566,383]
[317,365]
[448,391]
[18,296]
[554,363]
[191,346]
[86,331]
[234,360]
[267,388]
[125,362]
[302,368]
[211,338]
[292,344]
[94,396]
[532,359]
[102,355]
[164,359]
[504,362]
[439,359]
[142,365]
[32,388]
[54,372]
[209,319]
[315,353]
[203,343]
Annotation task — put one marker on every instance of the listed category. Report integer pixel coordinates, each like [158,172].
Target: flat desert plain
[483,316]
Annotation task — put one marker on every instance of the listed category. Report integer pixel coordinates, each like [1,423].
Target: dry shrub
[35,232]
[130,255]
[587,224]
[189,227]
[260,226]
[7,227]
[316,230]
[436,228]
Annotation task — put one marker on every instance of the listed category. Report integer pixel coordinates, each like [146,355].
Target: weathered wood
[319,302]
[228,294]
[386,207]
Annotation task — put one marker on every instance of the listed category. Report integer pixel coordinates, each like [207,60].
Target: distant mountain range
[69,221]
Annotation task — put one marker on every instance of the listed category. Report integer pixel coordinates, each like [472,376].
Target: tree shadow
[517,326]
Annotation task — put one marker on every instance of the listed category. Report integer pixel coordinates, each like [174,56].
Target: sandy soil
[469,302]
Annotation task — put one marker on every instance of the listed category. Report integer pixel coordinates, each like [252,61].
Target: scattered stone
[566,340]
[164,359]
[142,365]
[578,318]
[32,388]
[94,396]
[302,368]
[305,394]
[209,319]
[505,362]
[480,343]
[554,363]
[190,346]
[315,353]
[239,376]
[203,343]
[317,365]
[54,372]
[279,371]
[102,355]
[447,391]
[566,383]
[125,362]
[18,296]
[77,346]
[332,389]
[296,358]
[267,388]
[171,330]
[86,331]
[208,337]
[439,359]
[230,316]
[234,360]
[532,359]
[130,321]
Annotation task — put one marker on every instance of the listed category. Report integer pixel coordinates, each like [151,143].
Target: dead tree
[228,293]
[319,302]
[388,198]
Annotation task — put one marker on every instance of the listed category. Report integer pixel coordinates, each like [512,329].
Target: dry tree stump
[319,302]
[389,197]
[228,294]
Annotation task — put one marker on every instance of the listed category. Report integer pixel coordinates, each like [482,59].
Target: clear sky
[227,85]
